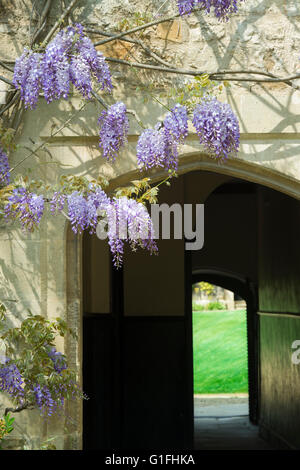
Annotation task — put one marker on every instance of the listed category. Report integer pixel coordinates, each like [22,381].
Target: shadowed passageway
[223,424]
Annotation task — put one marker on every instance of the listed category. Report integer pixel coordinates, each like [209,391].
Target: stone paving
[221,423]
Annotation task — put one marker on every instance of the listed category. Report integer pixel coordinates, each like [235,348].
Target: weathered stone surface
[42,271]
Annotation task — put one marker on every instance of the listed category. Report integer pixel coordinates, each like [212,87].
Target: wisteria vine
[36,375]
[69,58]
[72,58]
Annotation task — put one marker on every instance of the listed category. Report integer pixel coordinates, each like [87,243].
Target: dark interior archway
[138,350]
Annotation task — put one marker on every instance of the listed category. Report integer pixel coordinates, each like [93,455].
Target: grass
[220,352]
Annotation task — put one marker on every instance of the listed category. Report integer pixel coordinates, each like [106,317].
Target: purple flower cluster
[4,169]
[151,148]
[83,211]
[176,123]
[26,206]
[27,76]
[114,126]
[217,127]
[11,380]
[57,202]
[44,399]
[69,58]
[59,362]
[158,147]
[222,8]
[124,219]
[185,6]
[129,221]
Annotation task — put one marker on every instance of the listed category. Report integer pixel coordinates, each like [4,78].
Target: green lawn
[220,351]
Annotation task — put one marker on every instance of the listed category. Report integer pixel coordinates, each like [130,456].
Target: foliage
[6,426]
[208,306]
[206,287]
[190,92]
[215,306]
[33,373]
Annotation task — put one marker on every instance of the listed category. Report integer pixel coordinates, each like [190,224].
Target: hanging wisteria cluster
[47,399]
[48,381]
[11,380]
[129,221]
[25,206]
[218,131]
[215,123]
[51,400]
[59,361]
[69,58]
[126,219]
[158,147]
[217,127]
[72,58]
[4,169]
[114,127]
[83,210]
[44,399]
[222,8]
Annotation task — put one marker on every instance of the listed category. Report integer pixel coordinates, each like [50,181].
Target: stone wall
[38,269]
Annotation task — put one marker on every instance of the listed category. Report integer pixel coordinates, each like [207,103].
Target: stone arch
[233,167]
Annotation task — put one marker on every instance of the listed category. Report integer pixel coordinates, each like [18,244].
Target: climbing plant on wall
[56,60]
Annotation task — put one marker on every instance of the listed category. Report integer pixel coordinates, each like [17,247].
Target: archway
[247,290]
[148,339]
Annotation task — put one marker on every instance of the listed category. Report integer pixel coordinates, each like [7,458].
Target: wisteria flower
[176,123]
[28,73]
[4,169]
[44,399]
[158,147]
[217,127]
[151,148]
[82,210]
[69,58]
[129,221]
[59,361]
[222,8]
[57,202]
[114,127]
[26,206]
[11,380]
